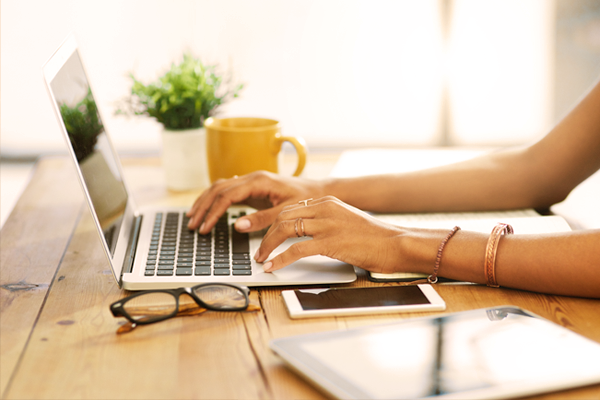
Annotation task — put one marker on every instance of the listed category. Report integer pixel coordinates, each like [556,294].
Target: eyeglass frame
[118,310]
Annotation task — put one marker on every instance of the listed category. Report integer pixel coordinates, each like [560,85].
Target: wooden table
[58,336]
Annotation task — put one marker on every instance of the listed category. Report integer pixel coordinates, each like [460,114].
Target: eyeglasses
[152,306]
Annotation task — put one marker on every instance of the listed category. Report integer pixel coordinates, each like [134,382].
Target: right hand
[269,193]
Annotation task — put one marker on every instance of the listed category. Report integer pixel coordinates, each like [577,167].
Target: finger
[204,201]
[309,202]
[214,188]
[251,186]
[284,230]
[294,253]
[221,202]
[258,220]
[291,214]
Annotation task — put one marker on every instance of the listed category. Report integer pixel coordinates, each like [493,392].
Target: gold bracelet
[491,250]
[433,277]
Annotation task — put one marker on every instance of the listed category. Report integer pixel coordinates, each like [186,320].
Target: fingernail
[257,254]
[242,224]
[202,227]
[267,267]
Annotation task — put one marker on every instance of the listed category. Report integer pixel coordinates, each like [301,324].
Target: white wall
[335,72]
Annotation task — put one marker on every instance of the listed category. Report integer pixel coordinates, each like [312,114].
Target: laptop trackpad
[310,269]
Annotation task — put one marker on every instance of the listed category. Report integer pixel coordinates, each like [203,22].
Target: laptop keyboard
[175,250]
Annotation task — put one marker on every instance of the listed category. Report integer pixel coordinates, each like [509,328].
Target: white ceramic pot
[184,158]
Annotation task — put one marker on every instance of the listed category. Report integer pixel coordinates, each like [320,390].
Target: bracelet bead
[433,277]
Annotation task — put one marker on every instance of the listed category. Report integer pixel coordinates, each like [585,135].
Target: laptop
[152,248]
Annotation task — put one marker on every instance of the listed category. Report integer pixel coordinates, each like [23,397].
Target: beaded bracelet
[433,277]
[491,250]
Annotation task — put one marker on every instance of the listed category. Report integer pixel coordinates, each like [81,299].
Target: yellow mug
[238,146]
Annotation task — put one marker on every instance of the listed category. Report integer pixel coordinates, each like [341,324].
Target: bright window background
[339,73]
[500,70]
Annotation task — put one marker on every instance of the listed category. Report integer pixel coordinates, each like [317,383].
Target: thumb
[258,220]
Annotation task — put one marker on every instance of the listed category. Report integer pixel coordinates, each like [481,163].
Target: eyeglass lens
[150,306]
[220,296]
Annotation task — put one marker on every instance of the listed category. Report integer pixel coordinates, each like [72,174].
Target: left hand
[338,231]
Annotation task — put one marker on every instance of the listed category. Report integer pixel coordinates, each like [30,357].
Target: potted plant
[181,100]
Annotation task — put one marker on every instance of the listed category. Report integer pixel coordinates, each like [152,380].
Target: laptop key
[242,267]
[183,272]
[149,272]
[242,272]
[221,266]
[240,242]
[221,272]
[202,271]
[164,272]
[185,264]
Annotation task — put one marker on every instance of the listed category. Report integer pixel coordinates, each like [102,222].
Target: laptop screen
[87,138]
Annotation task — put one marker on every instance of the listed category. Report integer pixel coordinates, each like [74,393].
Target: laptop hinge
[132,245]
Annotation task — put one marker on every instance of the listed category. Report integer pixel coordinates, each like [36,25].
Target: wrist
[329,187]
[339,188]
[418,248]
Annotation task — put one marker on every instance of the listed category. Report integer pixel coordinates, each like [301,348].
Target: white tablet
[490,353]
[305,303]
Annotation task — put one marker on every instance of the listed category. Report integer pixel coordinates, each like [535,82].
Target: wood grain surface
[58,337]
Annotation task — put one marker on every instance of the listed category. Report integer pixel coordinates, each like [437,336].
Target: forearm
[531,177]
[563,263]
[494,182]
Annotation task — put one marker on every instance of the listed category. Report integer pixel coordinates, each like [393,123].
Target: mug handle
[300,146]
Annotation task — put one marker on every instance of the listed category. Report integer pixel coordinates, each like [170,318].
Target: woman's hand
[265,191]
[338,231]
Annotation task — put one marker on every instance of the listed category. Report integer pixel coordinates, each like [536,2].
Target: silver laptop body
[139,243]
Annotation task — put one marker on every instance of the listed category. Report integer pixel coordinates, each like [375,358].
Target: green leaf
[184,96]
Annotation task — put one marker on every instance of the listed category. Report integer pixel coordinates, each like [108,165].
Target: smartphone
[326,302]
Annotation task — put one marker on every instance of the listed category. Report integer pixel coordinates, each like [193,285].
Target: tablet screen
[478,354]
